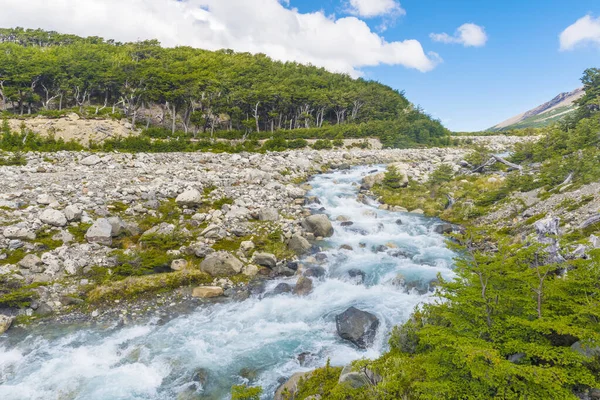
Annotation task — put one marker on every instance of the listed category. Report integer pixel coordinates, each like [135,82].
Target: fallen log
[505,162]
[590,221]
[489,162]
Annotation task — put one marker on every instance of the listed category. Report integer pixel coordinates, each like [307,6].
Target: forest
[199,92]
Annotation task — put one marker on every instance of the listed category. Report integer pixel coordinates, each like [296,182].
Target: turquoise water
[199,355]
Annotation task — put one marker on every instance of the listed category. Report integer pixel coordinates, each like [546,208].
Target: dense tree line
[190,89]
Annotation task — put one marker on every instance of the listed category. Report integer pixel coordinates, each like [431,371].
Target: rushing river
[259,338]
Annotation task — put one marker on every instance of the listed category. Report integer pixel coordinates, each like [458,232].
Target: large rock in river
[221,264]
[318,224]
[357,326]
[299,245]
[5,323]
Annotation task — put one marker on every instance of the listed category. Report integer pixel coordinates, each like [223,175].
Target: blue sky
[520,66]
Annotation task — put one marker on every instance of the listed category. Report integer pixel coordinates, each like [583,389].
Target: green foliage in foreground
[245,393]
[502,330]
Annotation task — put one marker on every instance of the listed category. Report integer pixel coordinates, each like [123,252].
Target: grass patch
[14,294]
[133,287]
[218,204]
[79,231]
[535,218]
[45,239]
[13,257]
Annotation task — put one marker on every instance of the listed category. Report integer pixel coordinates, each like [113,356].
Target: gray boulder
[268,214]
[91,160]
[357,326]
[358,379]
[73,213]
[304,286]
[299,245]
[221,264]
[191,197]
[18,233]
[319,225]
[265,259]
[443,228]
[32,262]
[53,217]
[5,323]
[100,232]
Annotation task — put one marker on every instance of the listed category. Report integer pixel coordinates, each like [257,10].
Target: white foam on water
[261,334]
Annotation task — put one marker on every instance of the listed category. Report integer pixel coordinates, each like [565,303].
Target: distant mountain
[543,115]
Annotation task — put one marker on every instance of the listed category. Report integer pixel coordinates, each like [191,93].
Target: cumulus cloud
[469,35]
[258,26]
[585,30]
[375,8]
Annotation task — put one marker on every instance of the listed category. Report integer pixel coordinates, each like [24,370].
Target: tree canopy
[193,89]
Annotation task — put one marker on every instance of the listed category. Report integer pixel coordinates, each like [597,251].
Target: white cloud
[375,8]
[469,35]
[584,30]
[265,26]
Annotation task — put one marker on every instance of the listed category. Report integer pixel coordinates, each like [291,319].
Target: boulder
[73,213]
[32,262]
[190,197]
[282,288]
[268,214]
[118,226]
[250,270]
[207,292]
[18,233]
[221,264]
[443,228]
[265,259]
[53,217]
[5,323]
[246,247]
[289,389]
[353,379]
[91,160]
[179,265]
[100,232]
[588,350]
[357,326]
[304,286]
[299,245]
[161,229]
[45,199]
[319,225]
[371,180]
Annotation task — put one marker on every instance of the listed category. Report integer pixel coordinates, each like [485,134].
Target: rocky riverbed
[64,214]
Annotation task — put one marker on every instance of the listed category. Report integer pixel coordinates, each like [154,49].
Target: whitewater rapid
[255,341]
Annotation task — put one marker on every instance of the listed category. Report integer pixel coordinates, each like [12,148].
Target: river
[200,354]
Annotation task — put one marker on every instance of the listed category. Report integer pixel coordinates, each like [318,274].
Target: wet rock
[206,292]
[190,197]
[221,264]
[314,271]
[321,257]
[443,228]
[346,247]
[282,288]
[53,217]
[304,286]
[398,222]
[5,322]
[304,358]
[265,259]
[417,211]
[347,223]
[357,275]
[357,326]
[100,232]
[319,225]
[299,245]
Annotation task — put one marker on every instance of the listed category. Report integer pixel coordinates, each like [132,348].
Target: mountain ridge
[544,114]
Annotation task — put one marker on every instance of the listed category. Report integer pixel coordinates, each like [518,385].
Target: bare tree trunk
[174,114]
[256,116]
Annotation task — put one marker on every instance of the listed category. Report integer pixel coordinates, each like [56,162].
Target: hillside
[545,114]
[198,91]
